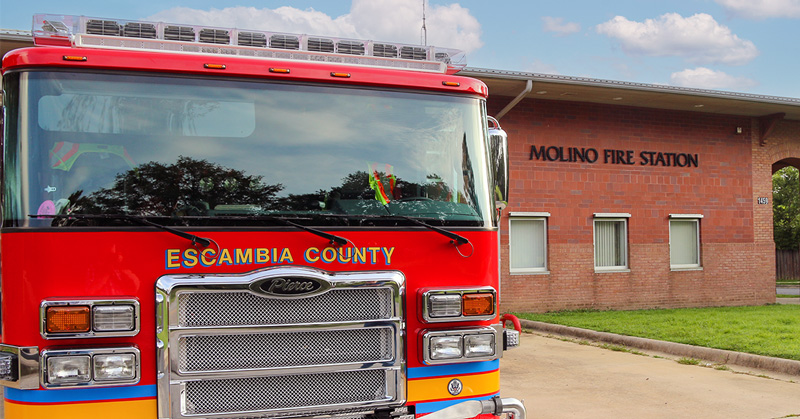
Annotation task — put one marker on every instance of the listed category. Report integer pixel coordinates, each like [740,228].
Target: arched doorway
[786,226]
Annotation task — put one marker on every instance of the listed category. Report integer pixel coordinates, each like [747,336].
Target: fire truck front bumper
[494,406]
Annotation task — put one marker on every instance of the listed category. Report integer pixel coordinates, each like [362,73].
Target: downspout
[528,88]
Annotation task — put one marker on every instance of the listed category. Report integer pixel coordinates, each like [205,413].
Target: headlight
[89,318]
[69,369]
[114,367]
[479,345]
[458,305]
[464,345]
[115,318]
[444,305]
[445,347]
[96,367]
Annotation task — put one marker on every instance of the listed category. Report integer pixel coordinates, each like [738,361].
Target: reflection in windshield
[167,147]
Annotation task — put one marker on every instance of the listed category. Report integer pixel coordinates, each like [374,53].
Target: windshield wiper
[457,239]
[334,239]
[195,239]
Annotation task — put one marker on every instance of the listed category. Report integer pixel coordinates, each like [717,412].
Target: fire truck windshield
[222,152]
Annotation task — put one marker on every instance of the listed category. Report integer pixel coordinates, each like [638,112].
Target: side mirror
[498,159]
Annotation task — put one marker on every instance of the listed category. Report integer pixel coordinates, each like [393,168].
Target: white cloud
[698,39]
[705,78]
[557,25]
[762,9]
[450,26]
[538,66]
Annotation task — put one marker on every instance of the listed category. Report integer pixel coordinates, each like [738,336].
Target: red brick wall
[737,250]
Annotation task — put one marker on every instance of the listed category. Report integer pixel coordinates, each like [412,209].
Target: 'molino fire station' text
[611,156]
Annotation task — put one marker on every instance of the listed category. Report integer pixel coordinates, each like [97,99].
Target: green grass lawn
[772,330]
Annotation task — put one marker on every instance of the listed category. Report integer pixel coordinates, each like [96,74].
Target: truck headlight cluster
[458,305]
[61,319]
[465,345]
[90,367]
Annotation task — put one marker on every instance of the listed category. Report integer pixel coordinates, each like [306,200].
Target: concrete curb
[719,356]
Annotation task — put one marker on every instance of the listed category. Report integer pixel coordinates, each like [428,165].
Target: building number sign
[763,200]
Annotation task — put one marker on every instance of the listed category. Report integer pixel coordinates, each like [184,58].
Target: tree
[786,208]
[164,189]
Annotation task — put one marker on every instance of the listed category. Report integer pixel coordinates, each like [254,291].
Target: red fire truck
[205,222]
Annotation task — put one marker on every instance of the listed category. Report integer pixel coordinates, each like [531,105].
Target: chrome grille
[384,50]
[203,309]
[320,44]
[350,47]
[284,42]
[179,33]
[215,36]
[102,27]
[257,351]
[285,392]
[413,53]
[252,39]
[227,348]
[139,30]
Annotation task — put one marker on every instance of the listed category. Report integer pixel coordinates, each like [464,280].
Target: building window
[527,242]
[684,241]
[611,242]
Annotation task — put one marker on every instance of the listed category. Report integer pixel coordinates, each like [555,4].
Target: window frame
[528,216]
[686,218]
[611,217]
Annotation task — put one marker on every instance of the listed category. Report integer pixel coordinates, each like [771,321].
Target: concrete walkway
[565,379]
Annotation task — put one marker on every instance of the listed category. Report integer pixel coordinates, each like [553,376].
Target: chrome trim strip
[427,292]
[428,334]
[278,371]
[172,382]
[27,371]
[90,352]
[91,302]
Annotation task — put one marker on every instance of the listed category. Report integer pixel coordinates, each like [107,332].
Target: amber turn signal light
[72,319]
[481,304]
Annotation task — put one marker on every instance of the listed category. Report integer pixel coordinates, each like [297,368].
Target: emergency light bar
[81,31]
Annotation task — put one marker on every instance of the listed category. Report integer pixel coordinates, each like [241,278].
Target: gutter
[520,96]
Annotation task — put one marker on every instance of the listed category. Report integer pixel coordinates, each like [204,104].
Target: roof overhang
[13,39]
[578,89]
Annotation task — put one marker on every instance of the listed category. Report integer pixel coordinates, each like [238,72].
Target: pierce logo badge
[290,286]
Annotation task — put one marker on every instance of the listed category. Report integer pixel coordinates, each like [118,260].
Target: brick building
[631,196]
[628,195]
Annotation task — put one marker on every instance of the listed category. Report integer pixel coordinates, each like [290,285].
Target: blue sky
[747,46]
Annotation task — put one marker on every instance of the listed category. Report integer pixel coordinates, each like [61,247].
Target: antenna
[424,29]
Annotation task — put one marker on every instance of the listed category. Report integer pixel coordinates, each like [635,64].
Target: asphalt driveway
[564,379]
